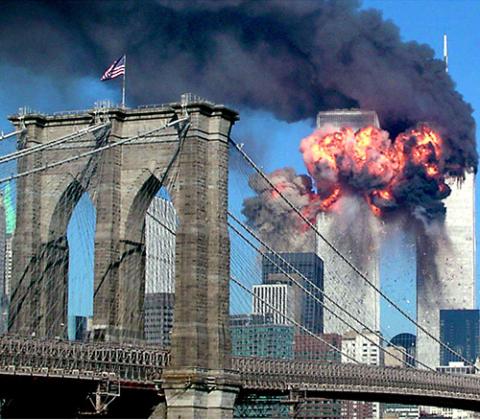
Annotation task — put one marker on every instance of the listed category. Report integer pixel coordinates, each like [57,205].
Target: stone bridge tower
[121,182]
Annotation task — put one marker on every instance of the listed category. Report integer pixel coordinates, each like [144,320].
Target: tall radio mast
[445,52]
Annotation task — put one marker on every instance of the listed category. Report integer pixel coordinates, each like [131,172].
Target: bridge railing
[133,363]
[291,374]
[145,364]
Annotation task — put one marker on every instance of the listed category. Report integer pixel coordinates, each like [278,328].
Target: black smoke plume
[293,58]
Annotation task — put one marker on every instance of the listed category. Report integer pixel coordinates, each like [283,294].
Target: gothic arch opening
[54,266]
[147,266]
[81,245]
[160,230]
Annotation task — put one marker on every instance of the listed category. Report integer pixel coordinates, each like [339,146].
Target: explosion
[405,173]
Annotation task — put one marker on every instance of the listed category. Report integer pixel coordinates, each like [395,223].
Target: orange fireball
[369,163]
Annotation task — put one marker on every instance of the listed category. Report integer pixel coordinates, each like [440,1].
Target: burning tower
[351,228]
[445,248]
[446,267]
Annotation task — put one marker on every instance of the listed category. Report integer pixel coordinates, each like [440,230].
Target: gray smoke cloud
[273,219]
[292,58]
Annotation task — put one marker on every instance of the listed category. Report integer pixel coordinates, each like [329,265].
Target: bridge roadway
[135,366]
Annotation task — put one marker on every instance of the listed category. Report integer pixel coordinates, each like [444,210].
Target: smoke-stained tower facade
[351,228]
[446,266]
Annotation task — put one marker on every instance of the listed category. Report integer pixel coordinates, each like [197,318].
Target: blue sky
[276,142]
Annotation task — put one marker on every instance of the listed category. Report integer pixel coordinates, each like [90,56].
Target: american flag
[115,70]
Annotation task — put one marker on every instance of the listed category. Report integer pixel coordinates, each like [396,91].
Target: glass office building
[275,268]
[459,329]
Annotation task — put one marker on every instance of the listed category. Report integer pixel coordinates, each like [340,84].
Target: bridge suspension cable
[312,295]
[73,196]
[315,287]
[6,136]
[56,142]
[292,321]
[91,152]
[342,257]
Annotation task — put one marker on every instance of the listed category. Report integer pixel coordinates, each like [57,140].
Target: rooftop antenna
[445,52]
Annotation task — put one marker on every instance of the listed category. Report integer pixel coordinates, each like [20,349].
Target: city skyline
[224,252]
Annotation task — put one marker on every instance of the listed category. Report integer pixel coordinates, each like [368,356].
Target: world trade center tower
[354,232]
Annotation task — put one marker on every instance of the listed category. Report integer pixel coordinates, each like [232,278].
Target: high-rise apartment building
[318,408]
[459,329]
[354,233]
[263,340]
[446,267]
[160,226]
[306,268]
[364,349]
[277,300]
[256,335]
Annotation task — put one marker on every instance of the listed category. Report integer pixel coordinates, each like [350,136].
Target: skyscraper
[3,257]
[310,267]
[159,318]
[354,234]
[160,226]
[459,329]
[446,267]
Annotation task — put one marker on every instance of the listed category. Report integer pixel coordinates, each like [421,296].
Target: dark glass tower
[311,267]
[459,329]
[408,342]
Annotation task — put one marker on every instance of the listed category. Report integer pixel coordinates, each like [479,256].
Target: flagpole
[123,84]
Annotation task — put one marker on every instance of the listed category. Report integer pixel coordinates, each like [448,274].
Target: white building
[446,267]
[276,300]
[354,231]
[364,349]
[160,226]
[454,368]
[446,413]
[458,368]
